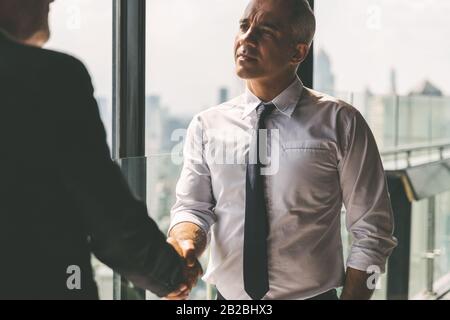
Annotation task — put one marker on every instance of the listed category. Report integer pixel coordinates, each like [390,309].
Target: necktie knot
[264,109]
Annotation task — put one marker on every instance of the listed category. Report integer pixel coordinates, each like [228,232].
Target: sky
[367,38]
[190,45]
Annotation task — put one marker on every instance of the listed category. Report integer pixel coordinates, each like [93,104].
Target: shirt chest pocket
[314,162]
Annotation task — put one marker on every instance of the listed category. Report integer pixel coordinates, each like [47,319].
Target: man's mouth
[246,57]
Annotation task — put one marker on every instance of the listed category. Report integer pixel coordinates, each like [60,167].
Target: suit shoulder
[44,61]
[64,62]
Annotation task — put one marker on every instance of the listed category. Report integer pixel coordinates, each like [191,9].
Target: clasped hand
[192,269]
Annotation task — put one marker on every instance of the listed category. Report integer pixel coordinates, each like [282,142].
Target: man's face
[265,45]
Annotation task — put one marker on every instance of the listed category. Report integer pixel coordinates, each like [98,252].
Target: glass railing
[403,120]
[398,123]
[442,234]
[160,180]
[410,131]
[418,261]
[430,247]
[159,176]
[163,171]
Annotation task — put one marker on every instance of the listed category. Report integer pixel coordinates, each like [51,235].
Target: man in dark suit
[61,196]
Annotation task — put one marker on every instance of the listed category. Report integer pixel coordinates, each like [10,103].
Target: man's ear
[300,53]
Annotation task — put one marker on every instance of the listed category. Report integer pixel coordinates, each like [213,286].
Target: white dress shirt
[327,157]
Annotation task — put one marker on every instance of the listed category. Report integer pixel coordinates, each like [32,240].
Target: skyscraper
[324,80]
[223,95]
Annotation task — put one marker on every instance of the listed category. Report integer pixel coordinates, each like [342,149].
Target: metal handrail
[409,149]
[441,145]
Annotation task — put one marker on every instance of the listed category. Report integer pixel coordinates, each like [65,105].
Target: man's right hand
[193,269]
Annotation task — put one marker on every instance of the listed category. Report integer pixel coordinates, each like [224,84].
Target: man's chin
[246,74]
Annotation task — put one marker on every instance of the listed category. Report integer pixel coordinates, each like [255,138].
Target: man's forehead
[267,11]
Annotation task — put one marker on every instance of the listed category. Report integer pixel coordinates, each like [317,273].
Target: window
[387,58]
[190,67]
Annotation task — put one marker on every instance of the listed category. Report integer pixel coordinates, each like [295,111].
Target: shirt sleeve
[194,197]
[369,217]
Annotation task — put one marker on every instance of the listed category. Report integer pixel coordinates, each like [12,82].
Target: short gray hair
[304,21]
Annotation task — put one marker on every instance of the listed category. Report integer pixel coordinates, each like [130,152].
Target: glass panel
[365,45]
[162,175]
[190,64]
[415,120]
[418,263]
[357,50]
[380,113]
[190,67]
[83,28]
[442,261]
[440,118]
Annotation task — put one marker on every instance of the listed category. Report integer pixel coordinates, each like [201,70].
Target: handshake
[192,269]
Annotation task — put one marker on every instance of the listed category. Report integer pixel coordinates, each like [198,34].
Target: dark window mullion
[306,70]
[129,107]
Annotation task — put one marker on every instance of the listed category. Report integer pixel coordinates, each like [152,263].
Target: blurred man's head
[26,20]
[274,38]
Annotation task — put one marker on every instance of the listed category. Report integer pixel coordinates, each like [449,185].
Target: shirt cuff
[367,261]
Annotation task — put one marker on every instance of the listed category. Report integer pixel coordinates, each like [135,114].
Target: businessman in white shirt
[273,222]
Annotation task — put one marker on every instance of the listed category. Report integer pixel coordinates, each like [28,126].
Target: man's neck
[36,40]
[267,90]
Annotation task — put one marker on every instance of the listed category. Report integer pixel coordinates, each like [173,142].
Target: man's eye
[244,27]
[267,31]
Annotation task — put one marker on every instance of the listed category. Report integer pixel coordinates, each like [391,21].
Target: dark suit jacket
[61,196]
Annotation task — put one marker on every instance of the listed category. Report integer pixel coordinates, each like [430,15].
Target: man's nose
[249,37]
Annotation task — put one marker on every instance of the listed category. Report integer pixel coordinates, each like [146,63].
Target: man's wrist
[356,285]
[188,231]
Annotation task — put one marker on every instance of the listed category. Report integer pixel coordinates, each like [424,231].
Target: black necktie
[256,278]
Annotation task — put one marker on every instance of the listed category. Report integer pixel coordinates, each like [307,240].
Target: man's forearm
[190,231]
[355,287]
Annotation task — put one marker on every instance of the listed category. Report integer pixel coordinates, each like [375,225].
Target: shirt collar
[285,102]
